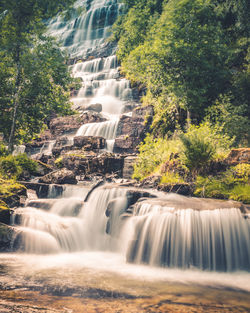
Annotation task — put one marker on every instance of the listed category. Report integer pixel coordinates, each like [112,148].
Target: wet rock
[31,194]
[105,163]
[132,129]
[129,107]
[151,182]
[179,202]
[44,190]
[16,198]
[96,107]
[70,124]
[62,176]
[43,168]
[4,214]
[236,156]
[7,234]
[89,143]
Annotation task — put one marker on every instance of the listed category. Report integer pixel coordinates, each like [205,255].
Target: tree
[21,38]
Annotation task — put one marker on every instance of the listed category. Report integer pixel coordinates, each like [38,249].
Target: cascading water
[82,35]
[87,27]
[69,224]
[211,239]
[215,240]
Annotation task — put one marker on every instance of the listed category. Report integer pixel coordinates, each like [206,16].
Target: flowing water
[81,35]
[93,255]
[68,250]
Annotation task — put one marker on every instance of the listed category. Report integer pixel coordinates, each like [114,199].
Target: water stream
[81,36]
[70,246]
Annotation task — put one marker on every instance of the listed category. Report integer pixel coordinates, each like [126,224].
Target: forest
[191,61]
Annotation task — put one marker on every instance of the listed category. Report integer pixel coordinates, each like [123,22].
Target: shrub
[14,166]
[58,162]
[232,184]
[153,152]
[26,163]
[9,167]
[201,145]
[171,178]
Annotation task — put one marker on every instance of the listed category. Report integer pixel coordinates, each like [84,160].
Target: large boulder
[4,213]
[44,190]
[128,168]
[89,143]
[62,176]
[132,130]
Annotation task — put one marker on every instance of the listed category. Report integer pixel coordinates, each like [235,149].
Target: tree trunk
[188,118]
[16,102]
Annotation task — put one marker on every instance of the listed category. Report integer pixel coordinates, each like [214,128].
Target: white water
[86,32]
[216,240]
[213,240]
[80,36]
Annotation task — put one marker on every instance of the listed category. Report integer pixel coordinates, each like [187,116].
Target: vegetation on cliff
[192,58]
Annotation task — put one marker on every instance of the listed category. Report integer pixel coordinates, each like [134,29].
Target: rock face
[132,129]
[178,202]
[70,124]
[128,168]
[237,156]
[96,107]
[63,176]
[16,198]
[44,190]
[6,237]
[89,143]
[105,163]
[4,214]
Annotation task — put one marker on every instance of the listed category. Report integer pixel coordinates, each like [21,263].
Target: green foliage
[241,193]
[26,163]
[8,187]
[171,178]
[167,47]
[201,145]
[58,162]
[9,167]
[194,149]
[13,166]
[33,74]
[3,150]
[232,184]
[153,152]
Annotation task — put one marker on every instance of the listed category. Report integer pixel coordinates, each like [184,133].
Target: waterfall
[68,225]
[83,35]
[106,130]
[215,240]
[87,27]
[158,235]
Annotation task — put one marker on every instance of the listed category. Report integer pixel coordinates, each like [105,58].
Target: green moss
[9,187]
[58,162]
